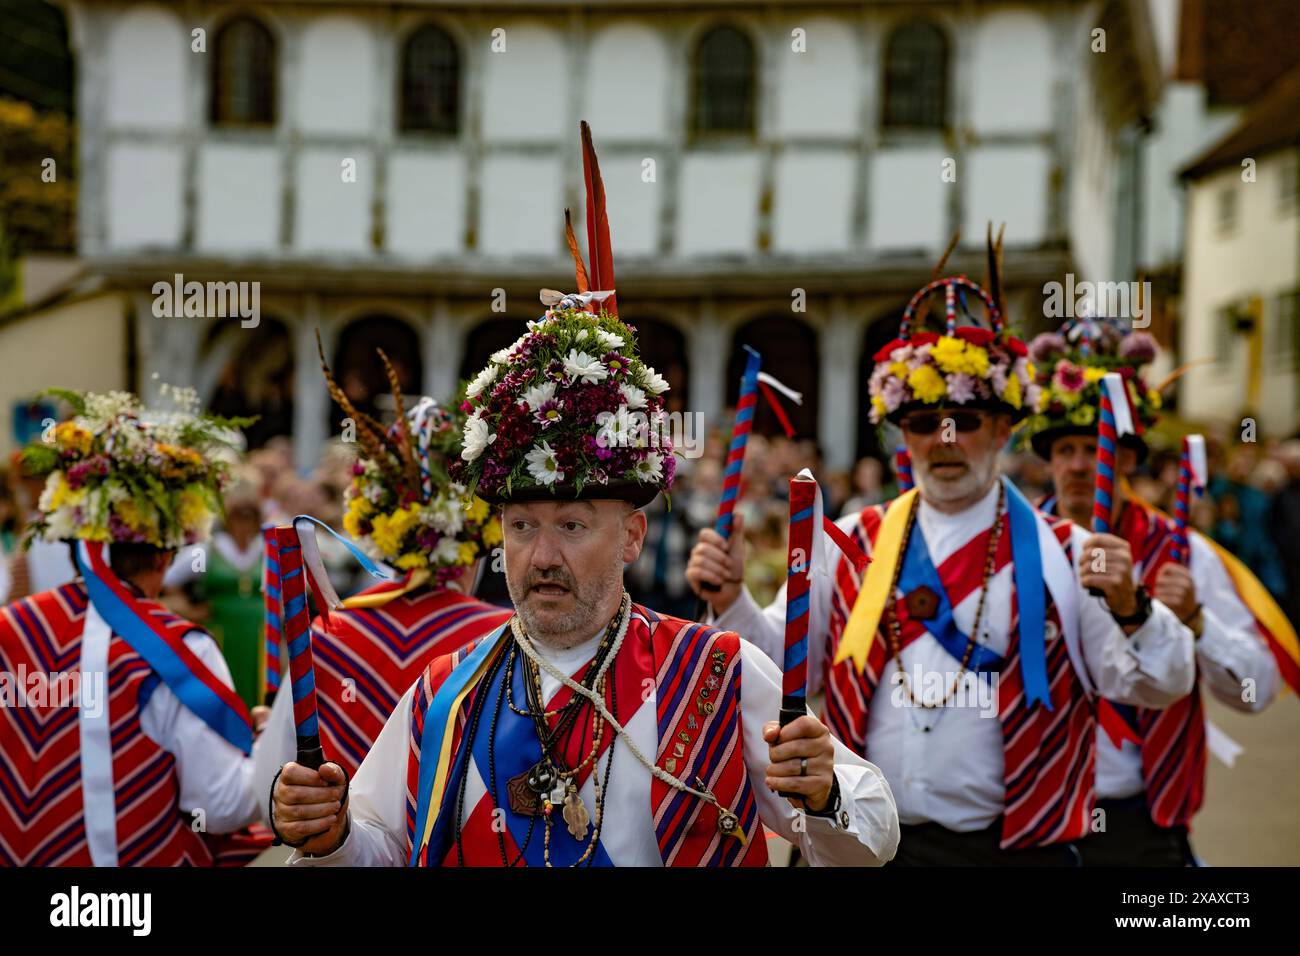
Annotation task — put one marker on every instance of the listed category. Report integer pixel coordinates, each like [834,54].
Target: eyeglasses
[925,423]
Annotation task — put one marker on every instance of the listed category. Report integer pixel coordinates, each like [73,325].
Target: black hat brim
[638,494]
[1042,441]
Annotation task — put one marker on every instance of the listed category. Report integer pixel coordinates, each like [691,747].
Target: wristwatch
[832,807]
[1140,613]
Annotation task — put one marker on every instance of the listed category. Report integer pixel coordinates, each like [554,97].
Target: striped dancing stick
[1192,476]
[274,623]
[297,626]
[803,519]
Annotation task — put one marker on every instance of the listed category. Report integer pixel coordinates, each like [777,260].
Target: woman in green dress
[225,575]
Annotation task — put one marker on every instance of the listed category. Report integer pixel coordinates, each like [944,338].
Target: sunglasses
[926,423]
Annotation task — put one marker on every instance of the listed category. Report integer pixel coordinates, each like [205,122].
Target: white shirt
[1230,650]
[214,774]
[49,565]
[866,834]
[952,774]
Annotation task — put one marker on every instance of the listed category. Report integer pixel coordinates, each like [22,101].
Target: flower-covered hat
[570,410]
[1070,365]
[402,506]
[965,366]
[119,473]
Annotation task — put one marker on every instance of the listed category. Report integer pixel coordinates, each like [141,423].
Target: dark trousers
[1132,838]
[929,844]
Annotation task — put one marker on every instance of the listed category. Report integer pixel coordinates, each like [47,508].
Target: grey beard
[979,478]
[587,618]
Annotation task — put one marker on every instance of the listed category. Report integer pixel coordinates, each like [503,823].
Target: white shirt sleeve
[1230,650]
[765,627]
[215,776]
[865,831]
[376,800]
[1152,667]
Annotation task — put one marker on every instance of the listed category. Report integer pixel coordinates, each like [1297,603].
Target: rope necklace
[894,629]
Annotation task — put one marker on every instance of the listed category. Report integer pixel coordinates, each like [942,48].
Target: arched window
[724,82]
[916,76]
[430,82]
[360,372]
[243,74]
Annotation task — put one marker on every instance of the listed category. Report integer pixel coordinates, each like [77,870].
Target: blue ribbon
[1031,594]
[374,570]
[917,571]
[193,693]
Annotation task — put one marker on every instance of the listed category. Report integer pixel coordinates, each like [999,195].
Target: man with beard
[970,592]
[1151,763]
[589,731]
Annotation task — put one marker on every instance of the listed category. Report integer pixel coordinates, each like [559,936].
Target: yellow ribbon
[414,579]
[887,552]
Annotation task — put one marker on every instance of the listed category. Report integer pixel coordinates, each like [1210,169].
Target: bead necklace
[894,629]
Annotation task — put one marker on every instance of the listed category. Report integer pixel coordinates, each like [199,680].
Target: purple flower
[892,393]
[1045,345]
[1138,348]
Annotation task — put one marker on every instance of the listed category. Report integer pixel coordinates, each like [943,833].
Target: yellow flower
[478,510]
[1011,394]
[492,532]
[192,511]
[359,508]
[927,384]
[411,560]
[96,532]
[468,552]
[1091,375]
[898,369]
[1154,399]
[878,405]
[1068,399]
[387,531]
[1083,415]
[72,437]
[957,355]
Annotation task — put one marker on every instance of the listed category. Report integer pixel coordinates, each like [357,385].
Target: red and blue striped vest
[1173,740]
[1049,756]
[696,673]
[372,655]
[41,810]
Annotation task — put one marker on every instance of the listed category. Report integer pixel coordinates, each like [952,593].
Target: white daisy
[477,437]
[539,395]
[655,383]
[502,356]
[582,367]
[651,468]
[633,397]
[484,379]
[446,552]
[543,465]
[609,339]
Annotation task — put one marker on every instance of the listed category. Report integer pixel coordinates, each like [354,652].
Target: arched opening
[254,376]
[789,350]
[360,372]
[663,347]
[881,330]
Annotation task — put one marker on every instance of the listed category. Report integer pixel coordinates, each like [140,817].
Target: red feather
[601,273]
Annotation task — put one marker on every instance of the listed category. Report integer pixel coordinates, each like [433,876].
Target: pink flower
[961,387]
[1068,377]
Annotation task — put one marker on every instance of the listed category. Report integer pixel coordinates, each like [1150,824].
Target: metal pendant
[575,814]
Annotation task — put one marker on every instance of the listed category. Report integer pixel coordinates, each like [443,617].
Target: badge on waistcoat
[921,603]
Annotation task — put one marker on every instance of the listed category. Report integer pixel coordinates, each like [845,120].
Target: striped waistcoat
[1049,756]
[41,809]
[374,654]
[1173,739]
[696,672]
